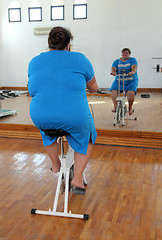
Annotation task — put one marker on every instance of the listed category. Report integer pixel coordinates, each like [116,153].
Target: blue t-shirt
[57,85]
[126,66]
[132,81]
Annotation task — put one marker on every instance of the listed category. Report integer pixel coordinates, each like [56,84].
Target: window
[57,13]
[35,14]
[79,11]
[14,14]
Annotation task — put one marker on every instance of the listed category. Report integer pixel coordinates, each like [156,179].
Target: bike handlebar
[123,75]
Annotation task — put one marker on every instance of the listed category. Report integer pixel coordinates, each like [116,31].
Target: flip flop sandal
[78,190]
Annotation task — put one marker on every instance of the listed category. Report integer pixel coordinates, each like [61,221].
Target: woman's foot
[78,184]
[130,111]
[56,167]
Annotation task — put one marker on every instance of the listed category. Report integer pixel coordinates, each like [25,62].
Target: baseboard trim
[108,137]
[138,90]
[14,88]
[149,89]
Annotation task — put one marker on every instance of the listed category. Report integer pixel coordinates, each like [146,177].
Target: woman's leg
[131,97]
[53,151]
[80,162]
[114,94]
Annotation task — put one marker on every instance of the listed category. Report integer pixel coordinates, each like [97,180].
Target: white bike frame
[121,108]
[67,161]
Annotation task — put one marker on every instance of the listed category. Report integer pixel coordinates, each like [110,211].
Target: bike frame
[121,108]
[67,162]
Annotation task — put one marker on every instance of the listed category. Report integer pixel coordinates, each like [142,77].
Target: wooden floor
[123,197]
[145,132]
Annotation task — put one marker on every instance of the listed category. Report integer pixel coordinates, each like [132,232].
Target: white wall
[111,26]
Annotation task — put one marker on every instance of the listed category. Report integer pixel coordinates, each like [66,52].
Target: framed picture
[14,14]
[57,13]
[79,11]
[35,14]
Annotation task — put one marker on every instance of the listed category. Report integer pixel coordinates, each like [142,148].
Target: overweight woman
[129,66]
[57,84]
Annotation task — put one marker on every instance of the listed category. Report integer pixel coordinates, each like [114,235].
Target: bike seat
[55,132]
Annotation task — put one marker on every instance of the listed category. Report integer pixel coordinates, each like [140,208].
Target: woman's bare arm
[113,71]
[134,69]
[92,85]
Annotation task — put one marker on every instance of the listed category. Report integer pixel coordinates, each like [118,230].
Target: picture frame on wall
[35,14]
[79,11]
[57,13]
[14,14]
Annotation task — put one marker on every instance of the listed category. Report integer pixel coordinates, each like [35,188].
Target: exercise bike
[64,180]
[121,108]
